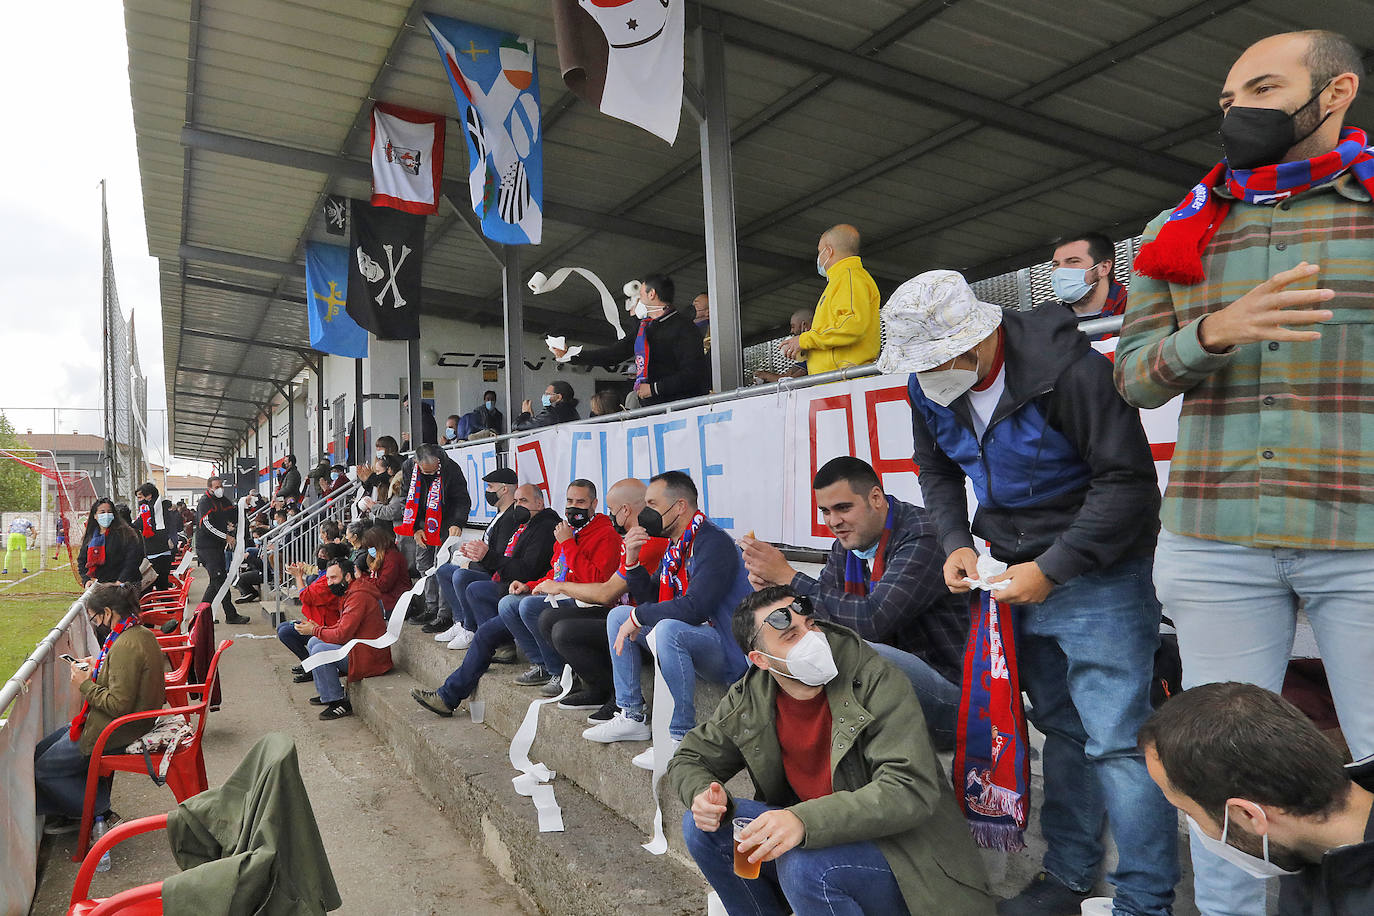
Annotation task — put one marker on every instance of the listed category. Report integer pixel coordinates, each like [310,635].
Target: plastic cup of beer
[743,867]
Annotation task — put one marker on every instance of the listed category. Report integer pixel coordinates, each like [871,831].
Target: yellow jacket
[845,330]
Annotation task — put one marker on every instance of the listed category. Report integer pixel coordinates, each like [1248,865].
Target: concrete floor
[391,850]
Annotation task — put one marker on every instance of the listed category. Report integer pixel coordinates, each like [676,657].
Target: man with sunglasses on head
[852,811]
[884,579]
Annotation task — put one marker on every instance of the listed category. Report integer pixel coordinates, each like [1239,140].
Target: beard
[1253,844]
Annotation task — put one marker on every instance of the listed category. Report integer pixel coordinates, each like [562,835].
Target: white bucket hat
[932,318]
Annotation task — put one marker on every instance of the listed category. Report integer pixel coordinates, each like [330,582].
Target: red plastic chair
[136,901]
[186,772]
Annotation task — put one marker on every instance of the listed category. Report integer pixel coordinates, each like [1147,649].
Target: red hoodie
[592,554]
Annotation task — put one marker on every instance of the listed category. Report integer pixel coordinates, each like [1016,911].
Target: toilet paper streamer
[539,283]
[533,781]
[662,715]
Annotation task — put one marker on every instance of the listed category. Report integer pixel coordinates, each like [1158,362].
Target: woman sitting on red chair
[125,677]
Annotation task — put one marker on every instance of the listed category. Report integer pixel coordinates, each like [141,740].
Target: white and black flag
[385,256]
[336,215]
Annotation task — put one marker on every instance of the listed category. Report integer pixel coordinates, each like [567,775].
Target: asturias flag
[326,294]
[494,83]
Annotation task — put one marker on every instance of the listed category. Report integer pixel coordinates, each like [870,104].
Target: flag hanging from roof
[332,330]
[494,83]
[625,58]
[407,158]
[385,255]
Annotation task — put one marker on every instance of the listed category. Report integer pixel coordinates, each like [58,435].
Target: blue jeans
[294,641]
[1086,656]
[453,583]
[59,777]
[687,651]
[852,879]
[326,676]
[939,698]
[459,685]
[521,614]
[1235,609]
[480,599]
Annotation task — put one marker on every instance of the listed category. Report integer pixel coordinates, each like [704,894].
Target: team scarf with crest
[433,512]
[1175,254]
[672,569]
[991,762]
[79,722]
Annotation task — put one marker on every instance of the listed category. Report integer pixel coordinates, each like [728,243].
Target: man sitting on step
[853,813]
[586,549]
[687,600]
[484,556]
[578,633]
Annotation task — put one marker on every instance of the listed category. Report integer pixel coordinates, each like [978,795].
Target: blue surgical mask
[105,519]
[491,405]
[867,553]
[547,400]
[372,552]
[1071,283]
[450,432]
[820,267]
[335,475]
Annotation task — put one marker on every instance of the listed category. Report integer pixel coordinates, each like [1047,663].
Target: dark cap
[501,475]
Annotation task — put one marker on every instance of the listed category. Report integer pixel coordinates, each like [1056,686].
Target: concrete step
[465,768]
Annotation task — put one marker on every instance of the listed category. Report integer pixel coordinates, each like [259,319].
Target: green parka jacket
[889,788]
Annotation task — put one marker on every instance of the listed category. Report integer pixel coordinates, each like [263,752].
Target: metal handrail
[310,514]
[40,654]
[298,539]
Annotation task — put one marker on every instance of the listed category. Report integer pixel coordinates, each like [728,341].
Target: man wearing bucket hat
[1022,406]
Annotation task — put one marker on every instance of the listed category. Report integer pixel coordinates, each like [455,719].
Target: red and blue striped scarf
[1175,254]
[672,569]
[991,760]
[80,721]
[858,579]
[642,352]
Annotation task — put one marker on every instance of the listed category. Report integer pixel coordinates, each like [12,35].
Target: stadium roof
[954,133]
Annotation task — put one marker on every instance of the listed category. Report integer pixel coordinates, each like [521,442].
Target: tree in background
[18,484]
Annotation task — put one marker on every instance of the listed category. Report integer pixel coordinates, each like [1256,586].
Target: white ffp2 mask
[1251,865]
[944,386]
[810,660]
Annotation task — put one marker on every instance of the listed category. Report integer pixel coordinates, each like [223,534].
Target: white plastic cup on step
[713,905]
[1097,906]
[477,709]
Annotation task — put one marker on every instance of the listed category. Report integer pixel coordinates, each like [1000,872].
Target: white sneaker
[645,758]
[620,728]
[449,633]
[462,640]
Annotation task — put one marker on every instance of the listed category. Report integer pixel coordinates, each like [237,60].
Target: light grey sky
[70,124]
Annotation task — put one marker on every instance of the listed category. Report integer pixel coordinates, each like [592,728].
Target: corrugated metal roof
[930,181]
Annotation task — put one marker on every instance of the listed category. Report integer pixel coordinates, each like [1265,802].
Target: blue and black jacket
[1063,475]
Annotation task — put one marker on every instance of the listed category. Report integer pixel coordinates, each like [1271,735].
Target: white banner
[753,459]
[476,461]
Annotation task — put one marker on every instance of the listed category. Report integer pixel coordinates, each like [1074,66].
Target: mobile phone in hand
[73,661]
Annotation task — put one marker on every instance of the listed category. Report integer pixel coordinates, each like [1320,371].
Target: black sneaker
[438,625]
[336,711]
[504,655]
[302,678]
[535,676]
[585,698]
[316,701]
[60,824]
[237,619]
[248,599]
[605,714]
[297,669]
[1045,895]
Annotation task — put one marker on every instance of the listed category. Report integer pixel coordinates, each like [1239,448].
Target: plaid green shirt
[1275,440]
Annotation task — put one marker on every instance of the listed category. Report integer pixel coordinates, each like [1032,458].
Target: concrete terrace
[419,815]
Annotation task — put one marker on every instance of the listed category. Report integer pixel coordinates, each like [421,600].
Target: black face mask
[102,632]
[519,514]
[652,521]
[578,518]
[1254,137]
[339,588]
[321,563]
[619,528]
[493,497]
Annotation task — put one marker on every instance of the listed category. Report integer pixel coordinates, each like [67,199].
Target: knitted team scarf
[80,721]
[672,569]
[151,518]
[857,579]
[1175,254]
[432,511]
[642,352]
[510,548]
[95,554]
[991,765]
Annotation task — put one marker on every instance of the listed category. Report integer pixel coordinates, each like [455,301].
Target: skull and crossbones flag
[385,257]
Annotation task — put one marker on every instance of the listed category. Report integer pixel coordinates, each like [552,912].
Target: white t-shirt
[983,403]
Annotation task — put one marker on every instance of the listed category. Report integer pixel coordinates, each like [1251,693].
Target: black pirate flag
[385,253]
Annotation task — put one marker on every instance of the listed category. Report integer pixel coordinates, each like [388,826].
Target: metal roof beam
[247,341]
[341,166]
[188,393]
[196,370]
[931,93]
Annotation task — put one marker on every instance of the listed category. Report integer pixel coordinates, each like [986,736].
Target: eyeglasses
[781,618]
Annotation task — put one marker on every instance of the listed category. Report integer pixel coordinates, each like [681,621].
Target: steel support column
[718,199]
[414,390]
[319,415]
[355,441]
[271,434]
[513,313]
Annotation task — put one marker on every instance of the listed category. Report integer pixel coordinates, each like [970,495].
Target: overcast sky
[70,124]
